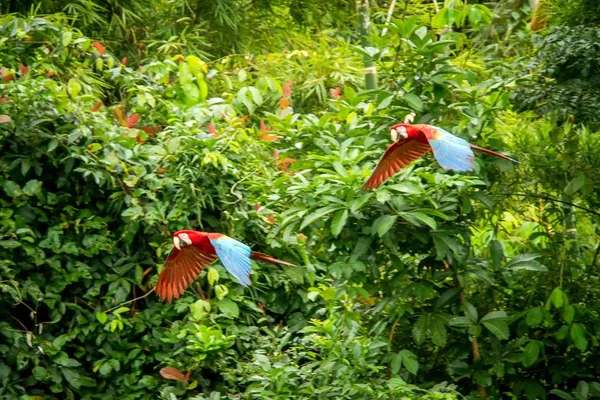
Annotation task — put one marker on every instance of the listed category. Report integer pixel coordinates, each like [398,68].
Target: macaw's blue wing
[451,152]
[235,257]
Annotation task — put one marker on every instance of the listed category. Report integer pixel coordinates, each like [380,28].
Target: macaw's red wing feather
[397,156]
[255,255]
[181,269]
[484,150]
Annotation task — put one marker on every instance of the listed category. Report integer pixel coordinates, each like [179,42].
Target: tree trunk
[364,24]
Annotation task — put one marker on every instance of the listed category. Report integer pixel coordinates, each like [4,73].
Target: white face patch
[399,133]
[182,240]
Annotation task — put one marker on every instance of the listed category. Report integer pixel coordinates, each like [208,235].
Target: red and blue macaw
[414,141]
[194,250]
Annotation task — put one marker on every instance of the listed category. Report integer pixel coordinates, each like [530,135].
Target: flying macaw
[195,250]
[414,141]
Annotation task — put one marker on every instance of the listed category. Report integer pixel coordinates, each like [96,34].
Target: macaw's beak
[394,134]
[177,242]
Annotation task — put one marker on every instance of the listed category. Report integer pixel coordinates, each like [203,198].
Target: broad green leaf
[419,329]
[101,317]
[583,389]
[338,222]
[496,252]
[74,87]
[416,218]
[384,223]
[535,316]
[12,189]
[575,185]
[494,315]
[447,297]
[396,363]
[32,187]
[413,101]
[578,335]
[525,262]
[460,322]
[319,213]
[561,394]
[212,276]
[410,362]
[531,353]
[568,313]
[228,307]
[438,331]
[497,327]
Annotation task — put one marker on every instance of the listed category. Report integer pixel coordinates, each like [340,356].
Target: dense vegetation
[121,123]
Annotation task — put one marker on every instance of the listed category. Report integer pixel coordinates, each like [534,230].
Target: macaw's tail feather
[484,150]
[255,255]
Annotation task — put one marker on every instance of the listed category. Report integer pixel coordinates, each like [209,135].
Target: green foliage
[435,284]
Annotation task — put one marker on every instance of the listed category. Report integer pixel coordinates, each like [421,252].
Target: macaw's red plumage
[412,142]
[194,250]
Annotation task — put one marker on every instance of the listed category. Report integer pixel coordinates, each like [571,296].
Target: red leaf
[212,129]
[265,137]
[101,49]
[97,106]
[263,127]
[256,207]
[287,89]
[132,120]
[271,219]
[276,155]
[51,74]
[4,100]
[8,78]
[261,307]
[335,93]
[301,237]
[139,138]
[23,69]
[149,130]
[172,373]
[283,104]
[187,375]
[124,61]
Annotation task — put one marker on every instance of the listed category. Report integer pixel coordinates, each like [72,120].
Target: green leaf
[67,36]
[74,87]
[416,218]
[419,329]
[414,101]
[561,394]
[384,223]
[339,221]
[535,316]
[578,335]
[583,389]
[557,298]
[101,317]
[438,331]
[409,360]
[32,187]
[496,252]
[40,373]
[212,276]
[446,297]
[228,307]
[575,185]
[498,328]
[319,213]
[531,353]
[471,311]
[525,262]
[72,377]
[359,202]
[568,313]
[396,363]
[460,322]
[12,189]
[495,315]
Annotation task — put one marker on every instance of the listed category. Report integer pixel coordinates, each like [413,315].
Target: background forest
[124,121]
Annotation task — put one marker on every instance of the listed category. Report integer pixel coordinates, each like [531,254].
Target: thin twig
[393,330]
[130,301]
[388,18]
[550,199]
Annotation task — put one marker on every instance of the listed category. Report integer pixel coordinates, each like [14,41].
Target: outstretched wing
[397,156]
[180,270]
[235,257]
[450,151]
